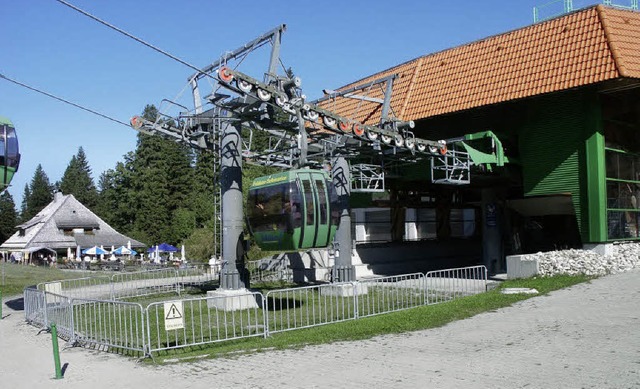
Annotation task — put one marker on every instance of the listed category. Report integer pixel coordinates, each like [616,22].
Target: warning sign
[173,315]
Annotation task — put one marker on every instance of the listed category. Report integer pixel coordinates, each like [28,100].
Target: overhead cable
[149,45]
[63,100]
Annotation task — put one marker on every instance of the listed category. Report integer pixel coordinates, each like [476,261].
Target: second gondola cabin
[293,210]
[9,153]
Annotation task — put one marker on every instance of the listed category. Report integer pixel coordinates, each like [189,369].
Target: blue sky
[327,43]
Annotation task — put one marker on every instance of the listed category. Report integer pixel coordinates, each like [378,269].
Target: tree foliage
[8,216]
[77,180]
[38,194]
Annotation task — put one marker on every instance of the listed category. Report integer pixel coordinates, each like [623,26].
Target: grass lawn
[14,278]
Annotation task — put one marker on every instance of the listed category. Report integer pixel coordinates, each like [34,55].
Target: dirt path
[587,336]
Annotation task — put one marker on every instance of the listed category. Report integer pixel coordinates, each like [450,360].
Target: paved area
[586,336]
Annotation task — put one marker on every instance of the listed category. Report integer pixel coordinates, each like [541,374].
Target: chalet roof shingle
[581,48]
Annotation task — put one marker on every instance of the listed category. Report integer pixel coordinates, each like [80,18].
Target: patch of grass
[14,278]
[414,319]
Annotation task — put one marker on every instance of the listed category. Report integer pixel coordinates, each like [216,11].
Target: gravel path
[586,336]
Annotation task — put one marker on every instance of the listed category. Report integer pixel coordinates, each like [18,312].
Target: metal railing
[449,284]
[310,306]
[554,8]
[85,287]
[157,281]
[203,321]
[107,325]
[58,310]
[390,294]
[35,307]
[113,325]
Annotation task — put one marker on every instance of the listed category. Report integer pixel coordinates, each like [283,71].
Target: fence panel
[192,322]
[449,284]
[144,283]
[86,287]
[389,294]
[108,325]
[58,310]
[195,275]
[35,307]
[310,306]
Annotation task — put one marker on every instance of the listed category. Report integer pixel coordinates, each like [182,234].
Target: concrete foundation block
[231,300]
[520,267]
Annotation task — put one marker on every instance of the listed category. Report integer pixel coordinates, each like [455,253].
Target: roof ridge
[617,59]
[50,217]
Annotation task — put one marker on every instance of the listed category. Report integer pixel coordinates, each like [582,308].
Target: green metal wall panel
[552,148]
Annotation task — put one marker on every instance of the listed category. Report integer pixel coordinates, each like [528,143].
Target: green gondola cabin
[9,153]
[293,210]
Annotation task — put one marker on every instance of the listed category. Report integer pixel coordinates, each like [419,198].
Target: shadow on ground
[15,304]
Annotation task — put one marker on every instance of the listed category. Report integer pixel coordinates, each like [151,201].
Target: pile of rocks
[620,258]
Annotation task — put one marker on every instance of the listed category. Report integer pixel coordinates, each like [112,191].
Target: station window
[622,163]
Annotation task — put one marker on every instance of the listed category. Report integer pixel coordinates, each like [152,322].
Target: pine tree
[77,181]
[23,207]
[162,178]
[40,193]
[8,216]
[115,200]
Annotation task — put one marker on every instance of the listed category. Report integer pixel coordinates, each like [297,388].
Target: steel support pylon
[233,274]
[343,270]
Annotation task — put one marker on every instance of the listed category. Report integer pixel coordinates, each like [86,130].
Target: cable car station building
[550,118]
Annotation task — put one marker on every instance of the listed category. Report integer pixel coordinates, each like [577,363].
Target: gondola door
[315,223]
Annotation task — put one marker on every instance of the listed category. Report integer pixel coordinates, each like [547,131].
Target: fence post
[72,320]
[45,309]
[265,314]
[147,326]
[354,285]
[56,352]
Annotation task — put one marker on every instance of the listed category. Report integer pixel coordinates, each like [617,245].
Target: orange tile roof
[588,46]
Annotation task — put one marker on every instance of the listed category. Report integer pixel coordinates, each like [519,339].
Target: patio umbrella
[182,256]
[167,248]
[122,250]
[95,250]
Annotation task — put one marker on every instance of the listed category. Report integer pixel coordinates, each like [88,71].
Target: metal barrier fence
[449,284]
[35,307]
[390,294]
[157,281]
[144,283]
[86,287]
[310,306]
[58,310]
[115,325]
[199,321]
[107,325]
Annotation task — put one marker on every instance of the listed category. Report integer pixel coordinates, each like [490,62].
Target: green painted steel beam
[596,181]
[496,157]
